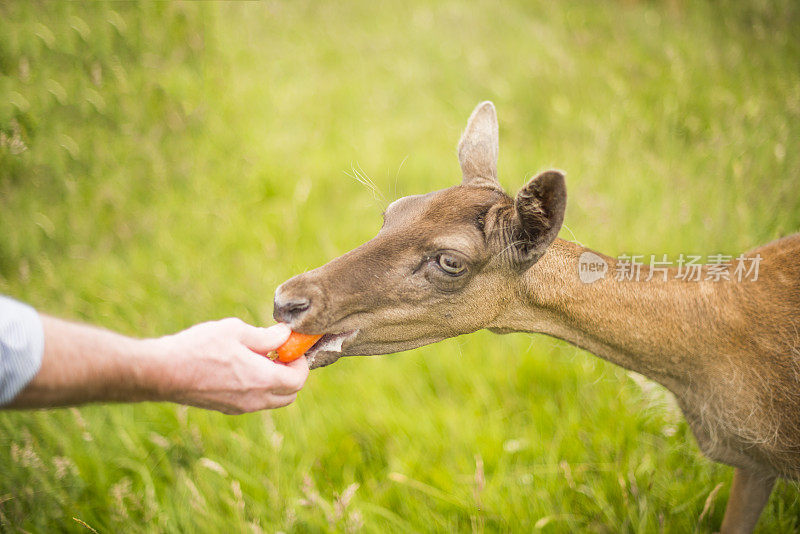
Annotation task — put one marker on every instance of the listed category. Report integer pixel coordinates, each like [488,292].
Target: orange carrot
[295,346]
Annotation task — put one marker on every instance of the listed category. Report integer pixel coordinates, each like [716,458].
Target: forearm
[83,364]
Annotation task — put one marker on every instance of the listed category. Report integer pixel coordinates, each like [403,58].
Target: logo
[591,267]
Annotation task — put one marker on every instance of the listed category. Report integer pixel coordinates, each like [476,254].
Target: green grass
[164,164]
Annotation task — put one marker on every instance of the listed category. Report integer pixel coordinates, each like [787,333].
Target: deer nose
[290,310]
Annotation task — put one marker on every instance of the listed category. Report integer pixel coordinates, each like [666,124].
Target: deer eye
[451,264]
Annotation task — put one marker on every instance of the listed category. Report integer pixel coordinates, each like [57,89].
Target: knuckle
[296,384]
[245,406]
[251,403]
[286,401]
[231,323]
[284,384]
[299,379]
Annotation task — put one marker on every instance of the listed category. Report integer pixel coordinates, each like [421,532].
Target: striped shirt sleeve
[21,347]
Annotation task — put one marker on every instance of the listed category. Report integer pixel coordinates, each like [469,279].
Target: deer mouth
[328,349]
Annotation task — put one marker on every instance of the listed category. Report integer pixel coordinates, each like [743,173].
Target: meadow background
[163,164]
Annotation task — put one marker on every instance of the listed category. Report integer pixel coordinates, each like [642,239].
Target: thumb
[263,340]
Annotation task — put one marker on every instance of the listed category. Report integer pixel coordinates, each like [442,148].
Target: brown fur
[728,350]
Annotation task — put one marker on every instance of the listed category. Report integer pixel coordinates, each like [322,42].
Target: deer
[471,257]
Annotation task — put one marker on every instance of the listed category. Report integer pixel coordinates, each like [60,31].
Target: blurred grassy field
[164,164]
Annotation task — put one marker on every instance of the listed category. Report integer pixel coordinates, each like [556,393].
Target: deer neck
[664,330]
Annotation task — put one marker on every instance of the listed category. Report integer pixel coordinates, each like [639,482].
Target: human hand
[220,365]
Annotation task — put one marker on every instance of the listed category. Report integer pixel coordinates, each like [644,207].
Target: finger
[279,401]
[263,340]
[301,364]
[291,377]
[266,401]
[278,378]
[236,403]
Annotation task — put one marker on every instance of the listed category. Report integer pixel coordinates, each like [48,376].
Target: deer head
[443,264]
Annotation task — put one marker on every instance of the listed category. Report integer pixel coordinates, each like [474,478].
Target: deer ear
[477,150]
[539,208]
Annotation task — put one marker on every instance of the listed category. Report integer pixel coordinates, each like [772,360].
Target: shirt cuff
[21,347]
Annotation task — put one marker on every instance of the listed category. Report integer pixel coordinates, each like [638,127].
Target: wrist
[152,372]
